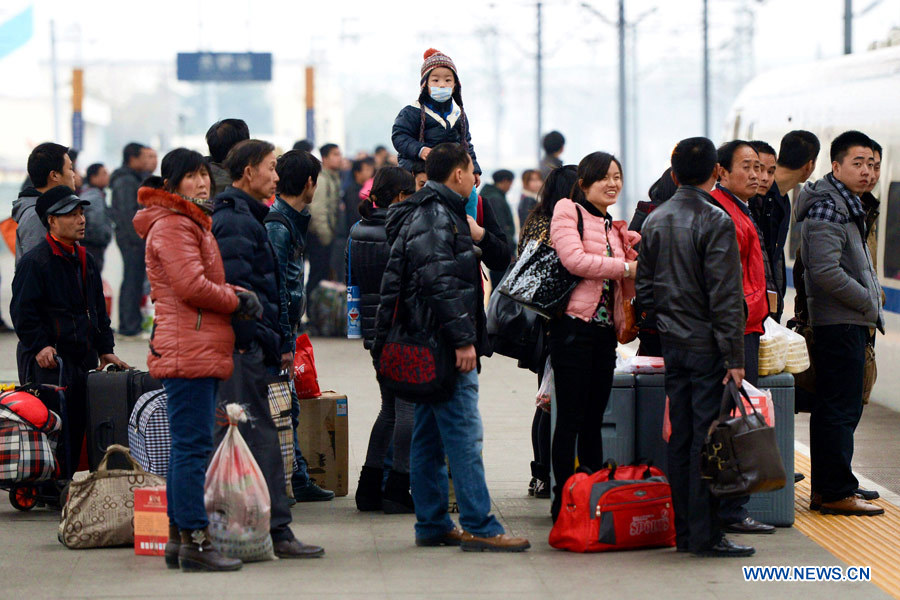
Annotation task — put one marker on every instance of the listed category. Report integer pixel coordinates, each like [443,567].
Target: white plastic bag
[639,365]
[237,498]
[797,359]
[546,390]
[761,401]
[773,348]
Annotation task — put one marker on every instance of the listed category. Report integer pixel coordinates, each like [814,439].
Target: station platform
[373,556]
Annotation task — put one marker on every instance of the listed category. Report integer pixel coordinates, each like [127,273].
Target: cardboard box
[323,437]
[151,524]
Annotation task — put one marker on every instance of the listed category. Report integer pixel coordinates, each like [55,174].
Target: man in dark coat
[124,183]
[250,263]
[58,310]
[495,195]
[689,274]
[433,278]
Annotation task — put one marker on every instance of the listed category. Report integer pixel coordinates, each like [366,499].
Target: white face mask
[440,94]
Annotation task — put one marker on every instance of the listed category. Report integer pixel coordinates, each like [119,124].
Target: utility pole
[53,74]
[623,129]
[706,68]
[540,82]
[848,26]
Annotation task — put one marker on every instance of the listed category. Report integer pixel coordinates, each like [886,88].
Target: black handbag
[539,281]
[416,365]
[740,455]
[515,331]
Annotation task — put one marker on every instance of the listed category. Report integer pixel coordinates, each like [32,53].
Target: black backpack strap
[580,222]
[276,217]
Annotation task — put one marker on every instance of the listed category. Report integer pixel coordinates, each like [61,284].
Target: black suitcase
[111,396]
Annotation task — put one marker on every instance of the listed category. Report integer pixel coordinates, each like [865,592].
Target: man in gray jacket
[49,165]
[844,299]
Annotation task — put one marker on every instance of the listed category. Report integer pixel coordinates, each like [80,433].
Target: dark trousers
[540,445]
[694,387]
[191,407]
[583,356]
[733,510]
[131,291]
[839,357]
[98,253]
[393,428]
[74,416]
[248,387]
[319,257]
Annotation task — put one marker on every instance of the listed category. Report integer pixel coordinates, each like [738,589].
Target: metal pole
[540,83]
[848,26]
[53,65]
[706,68]
[623,130]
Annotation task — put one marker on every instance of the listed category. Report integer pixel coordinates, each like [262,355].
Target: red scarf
[59,247]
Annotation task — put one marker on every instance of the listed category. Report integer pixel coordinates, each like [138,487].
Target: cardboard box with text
[323,437]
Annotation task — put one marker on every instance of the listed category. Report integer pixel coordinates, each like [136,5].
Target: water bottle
[354,328]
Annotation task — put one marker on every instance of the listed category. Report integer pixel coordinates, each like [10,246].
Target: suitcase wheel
[23,497]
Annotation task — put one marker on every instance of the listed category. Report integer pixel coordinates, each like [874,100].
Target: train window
[892,233]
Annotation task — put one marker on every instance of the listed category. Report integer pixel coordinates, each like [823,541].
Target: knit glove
[249,306]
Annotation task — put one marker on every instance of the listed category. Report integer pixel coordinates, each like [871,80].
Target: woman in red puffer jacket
[192,342]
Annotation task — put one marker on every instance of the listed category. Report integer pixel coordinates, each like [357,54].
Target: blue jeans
[452,427]
[192,414]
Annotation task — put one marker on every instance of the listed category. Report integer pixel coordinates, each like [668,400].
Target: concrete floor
[372,556]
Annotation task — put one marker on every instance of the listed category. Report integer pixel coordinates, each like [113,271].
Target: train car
[858,91]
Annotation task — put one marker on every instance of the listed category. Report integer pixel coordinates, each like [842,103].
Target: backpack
[148,432]
[616,508]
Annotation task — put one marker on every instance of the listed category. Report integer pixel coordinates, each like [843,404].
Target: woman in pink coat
[583,340]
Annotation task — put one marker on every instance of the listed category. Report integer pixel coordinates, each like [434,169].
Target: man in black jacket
[250,263]
[433,280]
[689,274]
[495,195]
[58,310]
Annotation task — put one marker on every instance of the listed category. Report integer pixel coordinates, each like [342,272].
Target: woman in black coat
[367,257]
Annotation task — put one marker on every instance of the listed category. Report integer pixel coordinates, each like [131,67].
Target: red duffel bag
[616,508]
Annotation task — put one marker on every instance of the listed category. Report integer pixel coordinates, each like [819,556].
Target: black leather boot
[198,554]
[396,499]
[368,492]
[173,545]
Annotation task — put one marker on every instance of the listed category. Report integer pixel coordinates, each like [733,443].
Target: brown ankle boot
[197,553]
[172,546]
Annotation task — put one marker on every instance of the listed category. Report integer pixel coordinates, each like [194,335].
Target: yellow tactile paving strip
[858,541]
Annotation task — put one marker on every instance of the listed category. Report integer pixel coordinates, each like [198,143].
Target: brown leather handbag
[740,455]
[631,328]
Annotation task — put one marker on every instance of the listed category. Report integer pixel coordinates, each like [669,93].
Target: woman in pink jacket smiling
[583,340]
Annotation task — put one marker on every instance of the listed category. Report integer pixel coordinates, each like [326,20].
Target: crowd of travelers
[224,242]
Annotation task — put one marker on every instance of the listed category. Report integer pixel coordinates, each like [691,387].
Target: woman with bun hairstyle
[583,340]
[368,251]
[192,341]
[436,117]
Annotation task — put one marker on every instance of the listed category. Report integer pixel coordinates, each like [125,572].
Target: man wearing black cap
[58,309]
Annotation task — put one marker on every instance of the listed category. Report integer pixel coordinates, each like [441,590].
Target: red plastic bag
[237,497]
[306,382]
[761,400]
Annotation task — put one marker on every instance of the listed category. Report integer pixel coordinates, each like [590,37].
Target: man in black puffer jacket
[250,263]
[433,277]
